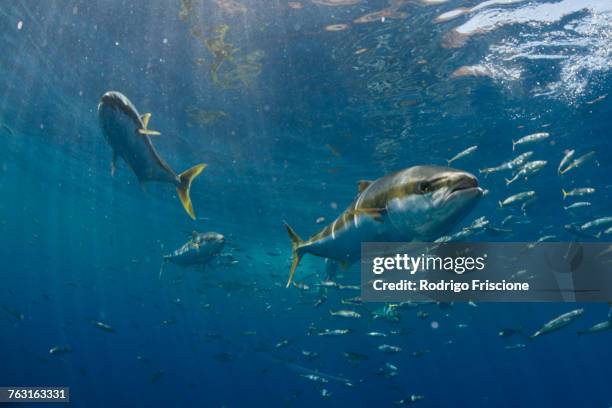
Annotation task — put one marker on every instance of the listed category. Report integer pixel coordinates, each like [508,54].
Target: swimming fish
[517,198]
[59,350]
[376,334]
[578,162]
[578,204]
[102,326]
[579,232]
[385,348]
[350,314]
[509,165]
[532,138]
[541,239]
[577,192]
[527,170]
[420,203]
[599,327]
[334,332]
[568,156]
[462,154]
[558,323]
[127,132]
[597,223]
[199,250]
[409,400]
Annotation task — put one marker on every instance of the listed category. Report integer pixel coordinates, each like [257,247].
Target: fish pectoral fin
[375,213]
[362,185]
[148,132]
[145,120]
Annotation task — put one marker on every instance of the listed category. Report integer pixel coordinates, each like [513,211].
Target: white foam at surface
[581,49]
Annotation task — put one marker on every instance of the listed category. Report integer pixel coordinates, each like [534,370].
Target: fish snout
[214,237]
[465,181]
[112,99]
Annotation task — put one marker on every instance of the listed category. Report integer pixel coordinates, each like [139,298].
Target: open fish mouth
[466,185]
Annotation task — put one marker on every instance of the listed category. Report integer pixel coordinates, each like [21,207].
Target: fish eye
[424,187]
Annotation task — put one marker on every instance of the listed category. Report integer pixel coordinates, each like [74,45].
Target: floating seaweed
[203,117]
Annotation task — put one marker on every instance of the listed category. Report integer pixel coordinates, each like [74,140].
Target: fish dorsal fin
[362,185]
[145,124]
[145,120]
[194,234]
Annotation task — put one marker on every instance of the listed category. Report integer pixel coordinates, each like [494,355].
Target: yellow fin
[185,179]
[145,120]
[147,132]
[362,185]
[296,242]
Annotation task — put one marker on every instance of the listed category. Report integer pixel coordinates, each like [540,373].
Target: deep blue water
[287,124]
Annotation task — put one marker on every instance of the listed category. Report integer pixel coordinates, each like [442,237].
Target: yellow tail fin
[296,242]
[185,185]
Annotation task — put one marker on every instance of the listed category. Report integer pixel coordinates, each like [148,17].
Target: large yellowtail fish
[126,131]
[420,203]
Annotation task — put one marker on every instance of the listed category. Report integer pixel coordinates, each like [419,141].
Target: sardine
[576,205]
[577,192]
[517,198]
[462,154]
[527,170]
[558,323]
[598,223]
[532,138]
[568,156]
[578,162]
[597,328]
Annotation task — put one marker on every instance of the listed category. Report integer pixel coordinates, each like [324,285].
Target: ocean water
[289,104]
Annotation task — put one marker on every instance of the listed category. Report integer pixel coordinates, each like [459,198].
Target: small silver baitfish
[558,323]
[527,170]
[578,204]
[517,198]
[597,328]
[334,332]
[578,162]
[351,314]
[385,348]
[568,156]
[577,192]
[509,165]
[597,223]
[532,138]
[462,154]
